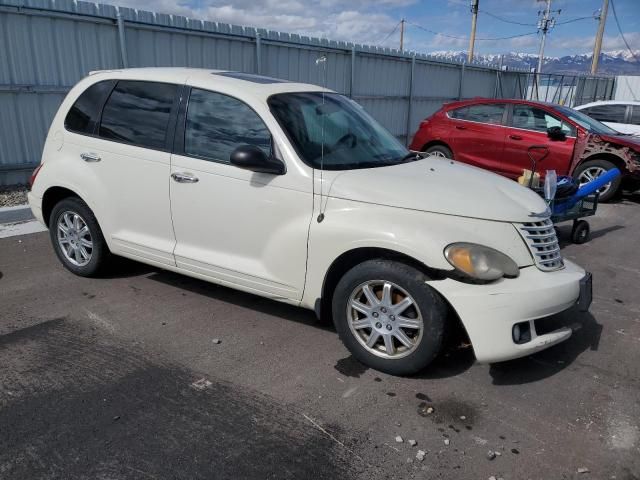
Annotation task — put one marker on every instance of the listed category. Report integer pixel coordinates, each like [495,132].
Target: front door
[528,126]
[239,228]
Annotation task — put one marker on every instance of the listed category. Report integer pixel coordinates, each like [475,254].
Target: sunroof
[249,77]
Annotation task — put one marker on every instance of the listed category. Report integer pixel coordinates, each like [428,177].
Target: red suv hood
[622,140]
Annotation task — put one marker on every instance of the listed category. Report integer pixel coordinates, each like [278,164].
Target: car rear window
[138,113]
[83,115]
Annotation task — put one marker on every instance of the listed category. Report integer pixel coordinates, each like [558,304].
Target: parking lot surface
[149,374]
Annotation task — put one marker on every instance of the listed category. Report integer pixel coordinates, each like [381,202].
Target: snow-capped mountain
[616,62]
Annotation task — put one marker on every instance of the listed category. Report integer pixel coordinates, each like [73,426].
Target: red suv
[495,134]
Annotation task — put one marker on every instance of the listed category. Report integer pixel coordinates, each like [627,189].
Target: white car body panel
[260,233]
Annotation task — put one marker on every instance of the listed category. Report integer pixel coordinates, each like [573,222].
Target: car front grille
[542,241]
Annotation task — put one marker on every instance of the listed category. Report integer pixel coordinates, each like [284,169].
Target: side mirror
[556,133]
[250,157]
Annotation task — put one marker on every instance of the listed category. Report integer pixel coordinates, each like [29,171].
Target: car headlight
[480,262]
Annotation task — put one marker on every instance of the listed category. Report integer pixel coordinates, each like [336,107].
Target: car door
[478,134]
[528,125]
[128,158]
[239,228]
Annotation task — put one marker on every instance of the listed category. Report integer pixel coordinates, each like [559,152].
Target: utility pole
[402,35]
[598,44]
[472,38]
[545,24]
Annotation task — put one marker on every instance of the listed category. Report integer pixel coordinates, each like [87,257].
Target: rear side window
[138,113]
[218,124]
[607,113]
[83,115]
[635,114]
[489,113]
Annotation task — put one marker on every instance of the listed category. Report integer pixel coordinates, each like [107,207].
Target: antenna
[322,60]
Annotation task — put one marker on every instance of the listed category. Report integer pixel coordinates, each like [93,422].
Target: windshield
[591,124]
[334,132]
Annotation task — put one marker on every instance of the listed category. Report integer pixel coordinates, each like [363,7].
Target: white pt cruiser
[294,192]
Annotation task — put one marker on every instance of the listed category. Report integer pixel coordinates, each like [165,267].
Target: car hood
[441,186]
[630,141]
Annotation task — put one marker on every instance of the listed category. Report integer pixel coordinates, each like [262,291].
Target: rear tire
[77,238]
[398,331]
[594,168]
[439,151]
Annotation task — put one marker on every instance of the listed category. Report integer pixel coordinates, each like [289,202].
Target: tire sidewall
[607,165]
[432,309]
[99,251]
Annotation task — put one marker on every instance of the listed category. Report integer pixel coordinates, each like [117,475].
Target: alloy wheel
[74,238]
[591,173]
[385,319]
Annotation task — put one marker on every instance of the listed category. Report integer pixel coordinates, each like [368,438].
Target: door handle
[90,157]
[515,137]
[461,127]
[184,178]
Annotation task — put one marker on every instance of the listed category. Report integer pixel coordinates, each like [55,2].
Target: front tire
[592,169]
[388,317]
[77,238]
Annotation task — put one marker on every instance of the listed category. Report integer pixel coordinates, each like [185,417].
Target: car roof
[483,100]
[244,83]
[607,102]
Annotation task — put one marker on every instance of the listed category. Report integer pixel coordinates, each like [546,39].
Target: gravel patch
[13,195]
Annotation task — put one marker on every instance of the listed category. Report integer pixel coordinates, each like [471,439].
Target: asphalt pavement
[145,374]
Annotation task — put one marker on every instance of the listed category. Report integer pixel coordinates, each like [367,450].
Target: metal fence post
[258,54]
[352,81]
[409,109]
[121,39]
[461,84]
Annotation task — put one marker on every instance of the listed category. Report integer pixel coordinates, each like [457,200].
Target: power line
[575,20]
[615,15]
[505,20]
[433,32]
[390,33]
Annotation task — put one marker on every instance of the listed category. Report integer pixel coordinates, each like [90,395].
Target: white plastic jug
[550,185]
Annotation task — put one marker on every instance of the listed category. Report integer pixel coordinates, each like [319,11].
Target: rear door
[528,126]
[126,162]
[478,134]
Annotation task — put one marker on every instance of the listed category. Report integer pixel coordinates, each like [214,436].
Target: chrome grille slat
[543,244]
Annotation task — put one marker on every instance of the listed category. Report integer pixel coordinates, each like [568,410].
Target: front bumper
[489,312]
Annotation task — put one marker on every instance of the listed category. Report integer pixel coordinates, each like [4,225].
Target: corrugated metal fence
[46,46]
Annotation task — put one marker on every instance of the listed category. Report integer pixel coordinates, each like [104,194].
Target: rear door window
[488,113]
[138,113]
[635,115]
[83,115]
[607,113]
[217,124]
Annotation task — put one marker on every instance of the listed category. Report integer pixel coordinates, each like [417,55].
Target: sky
[430,26]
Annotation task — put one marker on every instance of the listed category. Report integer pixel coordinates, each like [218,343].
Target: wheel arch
[610,157]
[52,196]
[433,143]
[349,259]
